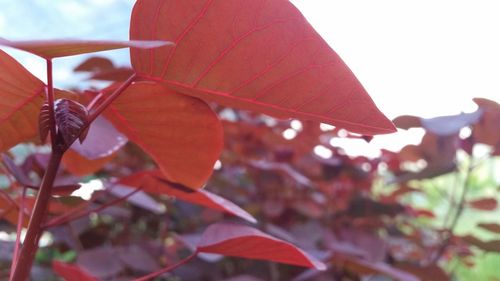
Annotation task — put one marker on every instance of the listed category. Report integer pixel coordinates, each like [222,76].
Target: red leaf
[95,64]
[484,204]
[182,134]
[102,140]
[407,122]
[257,55]
[71,272]
[49,49]
[488,246]
[9,211]
[21,96]
[82,166]
[488,130]
[246,242]
[492,227]
[71,118]
[118,74]
[153,182]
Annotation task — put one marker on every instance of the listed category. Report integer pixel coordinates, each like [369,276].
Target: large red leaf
[246,242]
[153,182]
[21,97]
[71,272]
[49,49]
[181,133]
[259,55]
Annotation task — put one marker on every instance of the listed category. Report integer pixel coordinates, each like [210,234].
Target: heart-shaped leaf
[246,242]
[258,55]
[49,49]
[182,134]
[154,182]
[21,96]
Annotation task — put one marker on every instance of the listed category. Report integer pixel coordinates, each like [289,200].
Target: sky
[425,58]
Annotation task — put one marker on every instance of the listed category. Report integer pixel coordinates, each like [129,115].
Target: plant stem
[167,269]
[101,107]
[20,220]
[50,102]
[73,216]
[460,208]
[34,231]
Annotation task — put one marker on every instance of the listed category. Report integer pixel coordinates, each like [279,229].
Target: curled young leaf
[71,119]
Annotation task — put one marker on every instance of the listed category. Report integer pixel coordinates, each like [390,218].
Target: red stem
[50,101]
[20,220]
[101,107]
[67,218]
[167,269]
[34,231]
[35,228]
[94,101]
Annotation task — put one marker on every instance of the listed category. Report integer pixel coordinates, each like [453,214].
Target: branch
[67,218]
[50,102]
[34,231]
[460,208]
[167,269]
[20,220]
[101,107]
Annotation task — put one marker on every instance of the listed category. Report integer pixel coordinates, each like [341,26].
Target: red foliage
[257,55]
